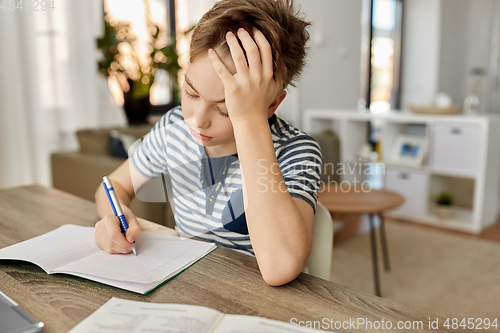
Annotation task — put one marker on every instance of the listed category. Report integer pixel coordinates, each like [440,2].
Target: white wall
[196,9]
[442,41]
[420,54]
[465,44]
[331,78]
[453,55]
[479,35]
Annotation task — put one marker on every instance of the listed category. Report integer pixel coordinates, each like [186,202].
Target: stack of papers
[71,249]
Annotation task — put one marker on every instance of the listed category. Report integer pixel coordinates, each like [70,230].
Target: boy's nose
[202,117]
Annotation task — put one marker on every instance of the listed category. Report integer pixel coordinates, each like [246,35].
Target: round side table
[355,200]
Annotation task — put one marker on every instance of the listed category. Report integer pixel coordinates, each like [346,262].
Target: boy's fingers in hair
[237,54]
[221,69]
[253,54]
[265,51]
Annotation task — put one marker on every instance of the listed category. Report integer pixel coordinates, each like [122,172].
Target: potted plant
[135,63]
[444,206]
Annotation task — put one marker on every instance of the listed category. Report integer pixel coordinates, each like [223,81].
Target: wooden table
[225,280]
[355,200]
[358,200]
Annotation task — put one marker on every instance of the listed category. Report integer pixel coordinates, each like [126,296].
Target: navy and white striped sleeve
[150,158]
[300,164]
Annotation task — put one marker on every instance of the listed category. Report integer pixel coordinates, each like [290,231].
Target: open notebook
[120,315]
[71,249]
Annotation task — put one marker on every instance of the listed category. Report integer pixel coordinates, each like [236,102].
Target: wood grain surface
[356,200]
[225,280]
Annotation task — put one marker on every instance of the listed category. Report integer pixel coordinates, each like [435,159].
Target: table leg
[385,252]
[374,254]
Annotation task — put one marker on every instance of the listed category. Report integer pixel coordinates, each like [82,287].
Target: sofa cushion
[136,130]
[120,143]
[93,141]
[97,141]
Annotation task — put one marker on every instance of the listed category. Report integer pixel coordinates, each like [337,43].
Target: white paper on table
[251,324]
[120,315]
[71,249]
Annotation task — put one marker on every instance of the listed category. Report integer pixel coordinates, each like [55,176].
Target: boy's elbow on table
[279,274]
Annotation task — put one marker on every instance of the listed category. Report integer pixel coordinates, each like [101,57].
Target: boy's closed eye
[192,96]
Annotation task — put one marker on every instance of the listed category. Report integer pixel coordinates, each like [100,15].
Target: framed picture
[408,150]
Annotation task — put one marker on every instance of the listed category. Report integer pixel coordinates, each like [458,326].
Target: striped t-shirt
[206,192]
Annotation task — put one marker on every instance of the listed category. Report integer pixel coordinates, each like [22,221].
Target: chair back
[320,260]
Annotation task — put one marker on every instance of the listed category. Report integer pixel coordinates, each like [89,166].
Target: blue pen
[115,205]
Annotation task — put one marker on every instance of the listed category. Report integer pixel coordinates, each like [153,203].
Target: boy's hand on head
[250,92]
[108,234]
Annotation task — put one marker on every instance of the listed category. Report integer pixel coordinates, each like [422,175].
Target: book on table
[71,249]
[120,315]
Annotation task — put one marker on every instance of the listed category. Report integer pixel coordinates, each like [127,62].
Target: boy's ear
[274,105]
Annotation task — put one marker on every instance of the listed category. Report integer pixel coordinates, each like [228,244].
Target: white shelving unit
[462,157]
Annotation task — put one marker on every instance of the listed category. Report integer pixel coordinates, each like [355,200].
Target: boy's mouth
[199,136]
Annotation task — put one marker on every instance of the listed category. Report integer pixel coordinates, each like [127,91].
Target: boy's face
[204,109]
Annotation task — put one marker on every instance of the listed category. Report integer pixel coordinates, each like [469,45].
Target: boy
[241,177]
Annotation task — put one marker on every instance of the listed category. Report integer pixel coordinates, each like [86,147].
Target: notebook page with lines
[71,249]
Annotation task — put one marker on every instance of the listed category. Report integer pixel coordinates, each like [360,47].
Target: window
[137,13]
[381,74]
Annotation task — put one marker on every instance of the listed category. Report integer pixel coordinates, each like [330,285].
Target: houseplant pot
[444,207]
[136,109]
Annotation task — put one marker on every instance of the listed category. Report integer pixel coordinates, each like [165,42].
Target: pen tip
[134,250]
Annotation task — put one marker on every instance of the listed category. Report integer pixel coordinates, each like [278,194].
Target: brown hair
[276,19]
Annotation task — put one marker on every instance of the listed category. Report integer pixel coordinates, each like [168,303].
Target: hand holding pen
[108,235]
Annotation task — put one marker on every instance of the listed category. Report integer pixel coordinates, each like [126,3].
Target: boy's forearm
[277,230]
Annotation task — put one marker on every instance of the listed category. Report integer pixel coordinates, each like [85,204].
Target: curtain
[49,87]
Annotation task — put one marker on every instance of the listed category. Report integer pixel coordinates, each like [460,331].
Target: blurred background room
[402,95]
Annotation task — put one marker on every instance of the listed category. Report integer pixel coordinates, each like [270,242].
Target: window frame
[171,22]
[366,56]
